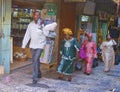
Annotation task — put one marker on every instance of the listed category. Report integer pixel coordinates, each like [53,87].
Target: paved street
[20,81]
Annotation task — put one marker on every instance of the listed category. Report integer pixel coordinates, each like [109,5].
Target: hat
[89,35]
[67,31]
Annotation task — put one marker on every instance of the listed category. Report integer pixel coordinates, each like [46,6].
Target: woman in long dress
[68,54]
[108,54]
[91,53]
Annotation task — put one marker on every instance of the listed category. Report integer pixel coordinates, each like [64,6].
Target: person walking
[91,53]
[68,54]
[37,33]
[108,54]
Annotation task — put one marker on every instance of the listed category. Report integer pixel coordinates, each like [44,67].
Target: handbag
[78,66]
[82,53]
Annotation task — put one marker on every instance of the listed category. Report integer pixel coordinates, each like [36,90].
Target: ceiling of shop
[36,0]
[96,1]
[39,3]
[30,3]
[104,1]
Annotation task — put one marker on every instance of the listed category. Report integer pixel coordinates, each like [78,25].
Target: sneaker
[60,78]
[69,79]
[34,81]
[106,71]
[39,76]
[86,73]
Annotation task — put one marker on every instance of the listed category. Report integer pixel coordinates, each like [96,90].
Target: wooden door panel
[67,19]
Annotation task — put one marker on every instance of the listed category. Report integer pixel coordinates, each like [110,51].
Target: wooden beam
[26,4]
[103,1]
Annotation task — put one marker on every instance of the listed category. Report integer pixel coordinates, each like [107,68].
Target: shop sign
[51,9]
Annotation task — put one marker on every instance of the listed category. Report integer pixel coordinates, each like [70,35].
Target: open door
[5,25]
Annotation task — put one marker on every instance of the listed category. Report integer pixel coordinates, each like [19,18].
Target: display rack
[20,20]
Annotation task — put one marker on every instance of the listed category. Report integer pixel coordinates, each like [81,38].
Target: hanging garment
[104,30]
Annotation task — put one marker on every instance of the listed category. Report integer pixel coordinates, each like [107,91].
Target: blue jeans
[36,53]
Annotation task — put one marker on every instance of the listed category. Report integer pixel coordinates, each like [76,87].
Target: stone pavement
[20,81]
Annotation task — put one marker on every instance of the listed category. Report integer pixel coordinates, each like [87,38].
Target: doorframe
[5,31]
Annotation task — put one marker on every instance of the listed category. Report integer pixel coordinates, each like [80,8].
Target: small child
[68,52]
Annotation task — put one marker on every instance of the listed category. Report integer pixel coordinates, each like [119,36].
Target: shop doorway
[5,23]
[21,16]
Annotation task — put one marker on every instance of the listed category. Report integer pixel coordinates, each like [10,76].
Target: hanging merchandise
[118,8]
[94,37]
[103,16]
[80,36]
[104,30]
[52,34]
[43,13]
[100,37]
[51,9]
[49,15]
[47,53]
[89,27]
[112,18]
[114,33]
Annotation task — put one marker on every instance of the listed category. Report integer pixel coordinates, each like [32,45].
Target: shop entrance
[21,16]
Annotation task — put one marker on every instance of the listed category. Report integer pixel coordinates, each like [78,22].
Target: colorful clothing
[68,52]
[108,54]
[91,53]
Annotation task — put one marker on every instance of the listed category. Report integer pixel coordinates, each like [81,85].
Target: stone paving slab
[98,81]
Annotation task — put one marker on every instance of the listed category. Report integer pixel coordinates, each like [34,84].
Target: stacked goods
[19,56]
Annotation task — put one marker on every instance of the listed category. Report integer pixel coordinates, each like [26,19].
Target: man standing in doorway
[37,34]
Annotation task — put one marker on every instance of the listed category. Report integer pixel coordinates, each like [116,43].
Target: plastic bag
[78,66]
